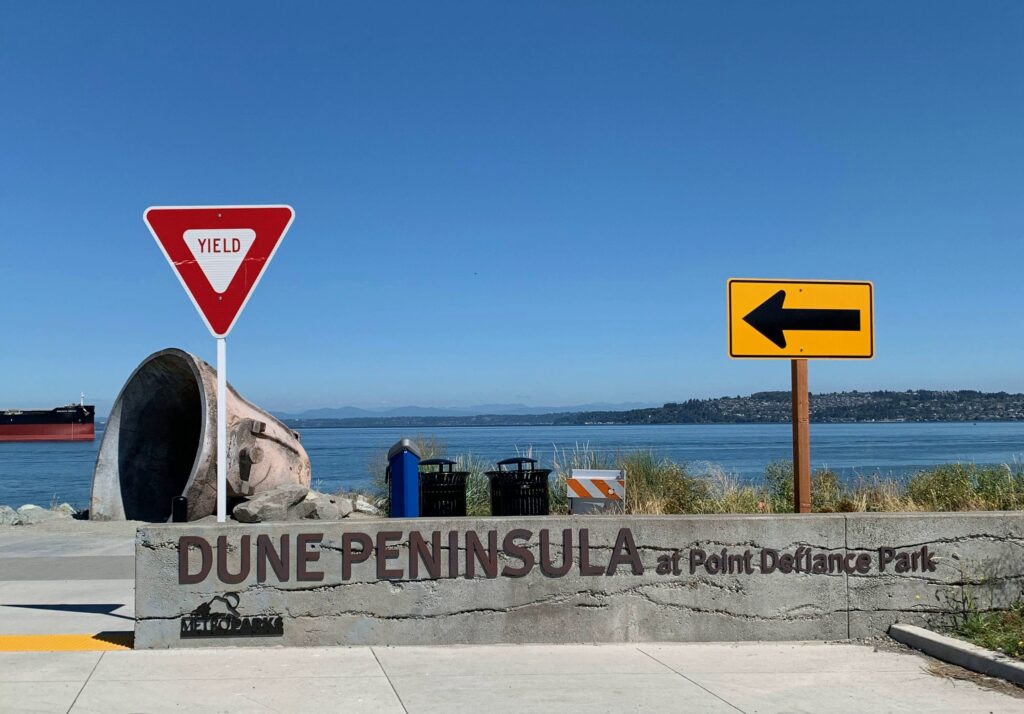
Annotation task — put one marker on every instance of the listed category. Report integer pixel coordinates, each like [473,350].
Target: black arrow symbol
[771,319]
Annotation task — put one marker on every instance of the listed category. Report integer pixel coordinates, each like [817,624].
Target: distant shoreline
[879,407]
[292,424]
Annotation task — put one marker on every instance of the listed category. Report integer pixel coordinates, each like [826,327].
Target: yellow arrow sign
[790,319]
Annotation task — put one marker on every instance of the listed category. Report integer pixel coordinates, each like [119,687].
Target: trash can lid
[518,460]
[437,462]
[404,445]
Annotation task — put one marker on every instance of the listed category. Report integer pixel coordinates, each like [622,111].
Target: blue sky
[512,202]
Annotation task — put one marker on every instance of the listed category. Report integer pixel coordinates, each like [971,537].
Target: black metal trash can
[442,491]
[519,492]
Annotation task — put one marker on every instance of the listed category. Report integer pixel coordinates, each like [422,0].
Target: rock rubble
[31,514]
[293,503]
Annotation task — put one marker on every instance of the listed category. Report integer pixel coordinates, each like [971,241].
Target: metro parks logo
[219,617]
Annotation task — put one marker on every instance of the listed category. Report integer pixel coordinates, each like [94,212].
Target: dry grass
[661,486]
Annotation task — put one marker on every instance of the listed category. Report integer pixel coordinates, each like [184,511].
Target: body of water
[43,473]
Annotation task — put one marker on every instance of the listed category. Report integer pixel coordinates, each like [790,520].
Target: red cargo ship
[74,422]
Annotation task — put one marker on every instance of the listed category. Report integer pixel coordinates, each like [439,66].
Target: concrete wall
[613,592]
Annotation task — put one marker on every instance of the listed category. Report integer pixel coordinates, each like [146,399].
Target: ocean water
[43,473]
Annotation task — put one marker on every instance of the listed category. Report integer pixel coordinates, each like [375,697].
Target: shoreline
[47,473]
[294,425]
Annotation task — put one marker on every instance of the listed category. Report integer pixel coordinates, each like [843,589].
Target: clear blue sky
[512,202]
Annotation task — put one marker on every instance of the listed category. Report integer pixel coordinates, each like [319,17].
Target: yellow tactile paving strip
[102,641]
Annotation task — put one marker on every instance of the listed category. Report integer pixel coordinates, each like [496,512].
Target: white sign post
[222,429]
[219,254]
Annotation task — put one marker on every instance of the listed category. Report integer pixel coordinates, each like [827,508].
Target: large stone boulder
[64,510]
[327,507]
[364,506]
[31,514]
[272,505]
[9,517]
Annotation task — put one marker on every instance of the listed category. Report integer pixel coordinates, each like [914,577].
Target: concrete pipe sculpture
[160,442]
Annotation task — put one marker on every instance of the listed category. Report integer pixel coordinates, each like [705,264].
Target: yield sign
[219,253]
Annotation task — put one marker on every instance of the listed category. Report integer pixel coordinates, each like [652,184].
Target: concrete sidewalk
[65,577]
[743,677]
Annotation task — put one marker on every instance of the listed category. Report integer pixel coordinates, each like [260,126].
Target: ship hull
[47,432]
[70,423]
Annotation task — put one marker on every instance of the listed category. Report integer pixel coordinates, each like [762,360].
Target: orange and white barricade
[592,490]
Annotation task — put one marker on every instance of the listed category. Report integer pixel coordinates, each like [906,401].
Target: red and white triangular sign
[219,253]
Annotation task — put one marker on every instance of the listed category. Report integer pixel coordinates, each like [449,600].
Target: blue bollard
[404,479]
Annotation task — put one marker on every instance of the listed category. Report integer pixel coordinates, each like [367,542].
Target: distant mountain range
[759,408]
[479,410]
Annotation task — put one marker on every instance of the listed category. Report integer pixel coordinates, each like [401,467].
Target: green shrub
[656,487]
[1001,630]
[1000,488]
[778,480]
[826,491]
[945,488]
[967,487]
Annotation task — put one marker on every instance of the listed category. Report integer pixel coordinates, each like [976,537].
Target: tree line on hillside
[758,408]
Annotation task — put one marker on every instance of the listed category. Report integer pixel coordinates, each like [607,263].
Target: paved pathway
[745,677]
[67,577]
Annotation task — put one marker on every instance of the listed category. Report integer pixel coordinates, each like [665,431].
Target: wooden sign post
[801,438]
[797,320]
